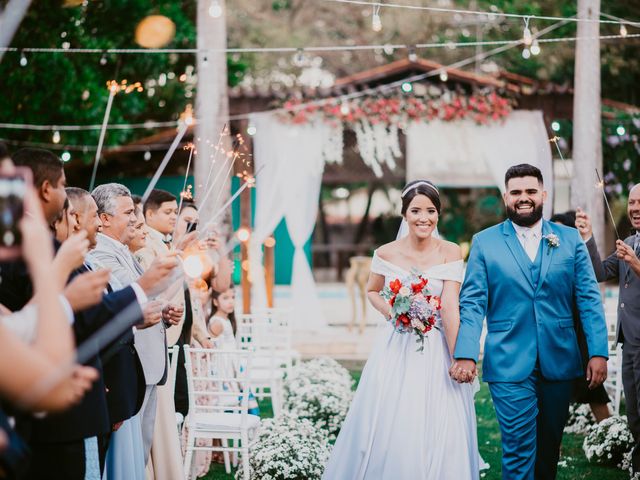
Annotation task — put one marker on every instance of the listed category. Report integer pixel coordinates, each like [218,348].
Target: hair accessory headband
[416,185]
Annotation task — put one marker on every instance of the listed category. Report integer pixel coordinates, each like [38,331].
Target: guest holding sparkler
[623,265]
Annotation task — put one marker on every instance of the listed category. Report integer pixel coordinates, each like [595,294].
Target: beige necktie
[530,244]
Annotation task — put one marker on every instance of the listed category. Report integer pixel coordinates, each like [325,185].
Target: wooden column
[269,268]
[245,220]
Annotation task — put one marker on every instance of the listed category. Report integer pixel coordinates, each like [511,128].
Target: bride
[409,420]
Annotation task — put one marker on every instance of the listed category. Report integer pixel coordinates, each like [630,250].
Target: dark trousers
[181,394]
[631,385]
[63,461]
[532,415]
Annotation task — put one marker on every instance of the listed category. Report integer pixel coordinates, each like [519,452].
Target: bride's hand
[463,371]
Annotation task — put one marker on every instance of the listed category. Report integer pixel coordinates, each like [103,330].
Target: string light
[407,87]
[23,60]
[526,53]
[243,234]
[485,14]
[103,59]
[376,22]
[535,48]
[623,31]
[555,126]
[65,157]
[412,54]
[56,137]
[621,130]
[215,9]
[147,155]
[444,76]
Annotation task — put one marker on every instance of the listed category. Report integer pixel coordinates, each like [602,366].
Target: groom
[527,276]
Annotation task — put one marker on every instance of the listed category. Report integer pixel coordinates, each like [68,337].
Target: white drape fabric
[289,187]
[464,154]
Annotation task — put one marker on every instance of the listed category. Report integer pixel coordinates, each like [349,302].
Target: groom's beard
[526,219]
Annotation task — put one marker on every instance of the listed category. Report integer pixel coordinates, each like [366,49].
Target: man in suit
[623,265]
[65,442]
[117,214]
[524,275]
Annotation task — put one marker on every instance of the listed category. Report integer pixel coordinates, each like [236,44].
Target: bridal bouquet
[413,307]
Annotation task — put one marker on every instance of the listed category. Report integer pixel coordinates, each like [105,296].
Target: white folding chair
[222,378]
[267,371]
[171,380]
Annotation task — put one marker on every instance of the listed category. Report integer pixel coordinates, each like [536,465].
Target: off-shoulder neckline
[432,267]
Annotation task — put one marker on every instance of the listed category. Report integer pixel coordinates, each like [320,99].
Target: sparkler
[187,122]
[114,88]
[600,185]
[554,140]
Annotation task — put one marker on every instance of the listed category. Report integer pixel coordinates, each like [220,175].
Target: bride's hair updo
[420,187]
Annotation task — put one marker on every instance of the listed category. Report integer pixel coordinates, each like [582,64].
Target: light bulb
[56,137]
[526,53]
[243,234]
[251,129]
[215,9]
[555,126]
[65,157]
[376,23]
[412,55]
[444,76]
[535,48]
[193,266]
[621,130]
[147,156]
[623,30]
[23,60]
[407,87]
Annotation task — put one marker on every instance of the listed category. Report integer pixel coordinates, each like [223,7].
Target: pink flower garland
[481,108]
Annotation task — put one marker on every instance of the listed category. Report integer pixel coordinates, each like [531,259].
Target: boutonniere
[552,240]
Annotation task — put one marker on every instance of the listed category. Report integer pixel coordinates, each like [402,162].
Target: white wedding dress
[408,419]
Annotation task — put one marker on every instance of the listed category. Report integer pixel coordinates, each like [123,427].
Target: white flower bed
[608,441]
[580,419]
[320,391]
[287,448]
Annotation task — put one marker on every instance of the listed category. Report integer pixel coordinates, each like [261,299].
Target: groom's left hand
[596,371]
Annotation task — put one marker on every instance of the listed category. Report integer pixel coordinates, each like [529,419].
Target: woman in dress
[409,420]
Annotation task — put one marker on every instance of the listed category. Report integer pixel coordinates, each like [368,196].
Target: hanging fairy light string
[114,88]
[489,14]
[600,186]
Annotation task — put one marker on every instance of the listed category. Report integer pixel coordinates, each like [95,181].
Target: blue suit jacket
[526,322]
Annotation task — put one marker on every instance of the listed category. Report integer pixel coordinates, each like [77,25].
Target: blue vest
[535,266]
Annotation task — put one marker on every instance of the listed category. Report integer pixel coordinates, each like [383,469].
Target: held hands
[86,289]
[625,253]
[151,314]
[463,371]
[173,313]
[583,224]
[72,252]
[159,275]
[596,371]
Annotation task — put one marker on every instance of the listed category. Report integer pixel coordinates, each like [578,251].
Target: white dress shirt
[529,238]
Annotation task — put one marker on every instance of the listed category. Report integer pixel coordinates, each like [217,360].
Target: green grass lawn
[577,467]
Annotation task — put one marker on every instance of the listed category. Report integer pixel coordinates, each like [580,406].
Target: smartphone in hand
[13,187]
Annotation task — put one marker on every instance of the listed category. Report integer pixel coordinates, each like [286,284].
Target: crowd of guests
[90,308]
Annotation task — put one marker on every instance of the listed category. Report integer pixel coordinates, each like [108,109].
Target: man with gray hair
[623,265]
[117,215]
